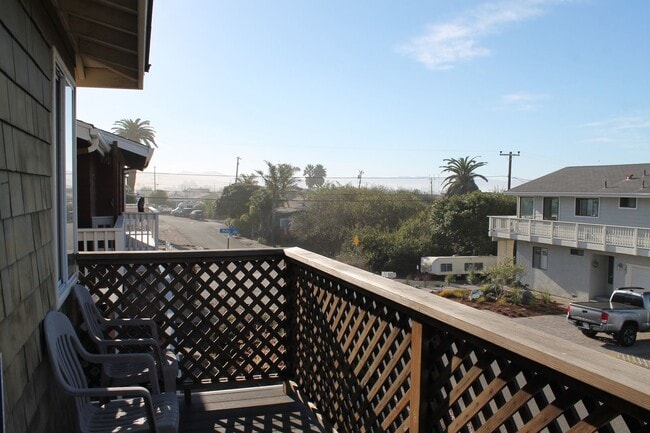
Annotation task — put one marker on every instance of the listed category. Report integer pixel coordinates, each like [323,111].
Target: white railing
[133,231]
[629,240]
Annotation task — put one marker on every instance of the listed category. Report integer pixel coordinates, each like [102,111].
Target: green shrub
[546,298]
[450,278]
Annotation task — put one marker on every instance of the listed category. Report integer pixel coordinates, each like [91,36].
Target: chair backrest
[63,346]
[92,316]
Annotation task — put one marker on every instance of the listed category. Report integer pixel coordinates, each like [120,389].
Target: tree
[461,179]
[459,224]
[135,130]
[158,197]
[235,198]
[314,175]
[279,181]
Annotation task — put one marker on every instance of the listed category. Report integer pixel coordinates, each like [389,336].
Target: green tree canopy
[279,181]
[235,198]
[463,172]
[335,214]
[459,223]
[314,175]
[136,130]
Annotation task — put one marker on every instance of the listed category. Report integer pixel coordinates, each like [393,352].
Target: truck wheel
[588,333]
[627,335]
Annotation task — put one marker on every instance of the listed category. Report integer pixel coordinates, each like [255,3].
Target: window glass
[551,205]
[446,267]
[526,207]
[627,202]
[540,258]
[64,148]
[587,207]
[473,267]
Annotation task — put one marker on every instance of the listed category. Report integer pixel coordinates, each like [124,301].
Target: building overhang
[111,39]
[136,155]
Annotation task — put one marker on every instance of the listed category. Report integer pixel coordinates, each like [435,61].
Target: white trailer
[456,265]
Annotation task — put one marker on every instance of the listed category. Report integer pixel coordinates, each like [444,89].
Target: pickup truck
[626,313]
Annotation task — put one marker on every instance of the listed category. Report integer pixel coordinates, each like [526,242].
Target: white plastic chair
[126,374]
[131,409]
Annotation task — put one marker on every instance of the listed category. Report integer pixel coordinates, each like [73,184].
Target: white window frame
[446,267]
[594,200]
[64,134]
[532,207]
[542,262]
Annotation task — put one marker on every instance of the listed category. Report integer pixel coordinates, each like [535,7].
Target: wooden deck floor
[264,409]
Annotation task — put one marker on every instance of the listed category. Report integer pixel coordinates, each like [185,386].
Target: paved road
[557,325]
[187,234]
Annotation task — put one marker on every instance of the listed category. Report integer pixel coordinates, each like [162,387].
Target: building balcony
[132,231]
[351,351]
[614,239]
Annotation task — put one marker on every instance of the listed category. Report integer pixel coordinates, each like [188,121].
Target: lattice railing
[225,315]
[370,354]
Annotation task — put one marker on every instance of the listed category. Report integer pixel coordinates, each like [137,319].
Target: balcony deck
[262,409]
[366,353]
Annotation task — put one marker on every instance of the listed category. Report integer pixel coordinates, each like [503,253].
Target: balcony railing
[621,239]
[368,354]
[133,231]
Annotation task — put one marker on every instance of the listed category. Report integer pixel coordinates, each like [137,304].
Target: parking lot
[638,353]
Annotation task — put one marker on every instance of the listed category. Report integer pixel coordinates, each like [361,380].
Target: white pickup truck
[626,313]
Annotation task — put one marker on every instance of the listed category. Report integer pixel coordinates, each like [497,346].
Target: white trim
[62,287]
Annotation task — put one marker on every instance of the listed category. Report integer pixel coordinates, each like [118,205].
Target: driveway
[638,353]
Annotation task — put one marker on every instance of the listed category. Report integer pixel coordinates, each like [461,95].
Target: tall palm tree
[314,175]
[461,179]
[279,181]
[135,130]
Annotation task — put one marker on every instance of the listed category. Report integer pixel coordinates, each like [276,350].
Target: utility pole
[237,171]
[154,179]
[359,176]
[509,155]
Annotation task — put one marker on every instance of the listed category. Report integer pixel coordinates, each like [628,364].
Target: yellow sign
[356,240]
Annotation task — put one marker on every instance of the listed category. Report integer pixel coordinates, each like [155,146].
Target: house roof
[111,39]
[632,180]
[136,155]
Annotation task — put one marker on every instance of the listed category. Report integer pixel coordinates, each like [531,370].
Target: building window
[540,258]
[577,252]
[526,207]
[446,267]
[587,207]
[551,205]
[627,202]
[64,172]
[469,267]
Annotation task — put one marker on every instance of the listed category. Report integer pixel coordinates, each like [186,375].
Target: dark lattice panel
[472,390]
[227,318]
[352,355]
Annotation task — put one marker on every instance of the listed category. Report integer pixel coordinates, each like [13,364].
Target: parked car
[197,214]
[626,313]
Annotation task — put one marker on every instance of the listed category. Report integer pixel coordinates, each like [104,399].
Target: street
[187,234]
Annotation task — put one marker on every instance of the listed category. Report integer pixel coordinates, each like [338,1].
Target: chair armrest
[133,322]
[120,392]
[123,358]
[151,343]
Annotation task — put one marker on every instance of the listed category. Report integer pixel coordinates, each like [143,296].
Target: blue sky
[391,88]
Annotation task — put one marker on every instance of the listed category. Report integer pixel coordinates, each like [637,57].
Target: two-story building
[581,232]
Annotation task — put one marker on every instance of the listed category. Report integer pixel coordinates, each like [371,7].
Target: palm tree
[461,179]
[279,181]
[314,175]
[135,130]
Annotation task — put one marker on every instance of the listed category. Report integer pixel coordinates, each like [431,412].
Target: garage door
[638,276]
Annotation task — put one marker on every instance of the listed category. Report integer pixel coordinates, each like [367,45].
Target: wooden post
[419,377]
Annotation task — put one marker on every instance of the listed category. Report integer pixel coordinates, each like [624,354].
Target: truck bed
[604,305]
